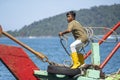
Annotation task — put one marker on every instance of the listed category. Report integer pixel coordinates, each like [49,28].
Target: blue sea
[52,48]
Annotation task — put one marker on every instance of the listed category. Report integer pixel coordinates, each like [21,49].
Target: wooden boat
[22,67]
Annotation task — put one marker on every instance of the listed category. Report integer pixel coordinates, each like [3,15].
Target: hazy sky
[14,14]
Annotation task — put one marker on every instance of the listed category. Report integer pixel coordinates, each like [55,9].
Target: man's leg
[75,45]
[74,54]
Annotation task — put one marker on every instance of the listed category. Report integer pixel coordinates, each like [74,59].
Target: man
[79,34]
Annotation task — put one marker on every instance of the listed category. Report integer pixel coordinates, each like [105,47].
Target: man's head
[70,16]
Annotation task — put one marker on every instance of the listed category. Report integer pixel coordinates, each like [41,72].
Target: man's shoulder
[73,22]
[76,23]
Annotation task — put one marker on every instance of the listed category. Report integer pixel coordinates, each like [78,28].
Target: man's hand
[64,32]
[60,33]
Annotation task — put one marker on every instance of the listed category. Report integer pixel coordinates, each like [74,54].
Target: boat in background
[32,37]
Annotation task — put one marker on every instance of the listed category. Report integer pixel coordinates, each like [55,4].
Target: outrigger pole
[38,54]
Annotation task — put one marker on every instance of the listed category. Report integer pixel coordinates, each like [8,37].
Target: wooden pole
[40,55]
[0,30]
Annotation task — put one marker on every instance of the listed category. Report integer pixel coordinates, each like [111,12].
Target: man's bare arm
[64,32]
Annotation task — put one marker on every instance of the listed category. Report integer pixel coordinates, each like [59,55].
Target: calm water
[52,48]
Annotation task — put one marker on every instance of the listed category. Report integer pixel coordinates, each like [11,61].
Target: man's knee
[72,46]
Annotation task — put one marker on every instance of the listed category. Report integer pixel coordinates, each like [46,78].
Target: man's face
[69,18]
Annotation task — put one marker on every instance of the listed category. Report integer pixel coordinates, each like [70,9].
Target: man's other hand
[60,33]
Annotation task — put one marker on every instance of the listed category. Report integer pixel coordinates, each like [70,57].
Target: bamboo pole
[0,30]
[40,55]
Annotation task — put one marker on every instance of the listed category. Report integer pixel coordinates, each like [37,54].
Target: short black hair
[71,13]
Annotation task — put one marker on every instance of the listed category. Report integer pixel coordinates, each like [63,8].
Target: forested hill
[95,16]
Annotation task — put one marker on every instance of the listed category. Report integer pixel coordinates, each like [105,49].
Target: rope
[91,36]
[89,32]
[61,41]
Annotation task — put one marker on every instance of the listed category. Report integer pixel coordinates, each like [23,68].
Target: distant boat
[111,37]
[32,37]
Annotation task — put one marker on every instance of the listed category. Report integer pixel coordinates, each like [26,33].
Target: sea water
[52,48]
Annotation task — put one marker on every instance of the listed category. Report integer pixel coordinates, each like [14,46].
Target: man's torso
[77,30]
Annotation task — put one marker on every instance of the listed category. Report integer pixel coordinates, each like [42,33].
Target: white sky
[14,14]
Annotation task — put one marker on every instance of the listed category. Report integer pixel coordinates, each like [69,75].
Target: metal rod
[40,55]
[110,56]
[104,37]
